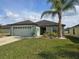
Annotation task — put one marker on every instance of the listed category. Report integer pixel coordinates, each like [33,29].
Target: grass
[40,49]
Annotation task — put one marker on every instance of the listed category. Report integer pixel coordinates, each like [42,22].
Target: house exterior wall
[74,31]
[53,29]
[66,32]
[37,31]
[32,30]
[71,31]
[11,30]
[5,31]
[48,29]
[77,31]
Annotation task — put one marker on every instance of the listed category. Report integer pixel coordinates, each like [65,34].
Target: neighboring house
[69,31]
[76,30]
[66,31]
[73,31]
[5,29]
[29,28]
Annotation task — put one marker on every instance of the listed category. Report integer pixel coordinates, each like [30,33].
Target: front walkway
[9,39]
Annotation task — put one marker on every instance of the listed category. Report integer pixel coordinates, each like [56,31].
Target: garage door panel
[22,31]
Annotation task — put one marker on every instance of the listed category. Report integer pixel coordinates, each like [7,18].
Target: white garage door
[22,31]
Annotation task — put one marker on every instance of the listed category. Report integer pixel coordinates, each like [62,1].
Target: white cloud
[23,15]
[35,16]
[11,14]
[30,15]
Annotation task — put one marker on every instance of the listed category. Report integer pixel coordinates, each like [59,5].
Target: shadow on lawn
[60,52]
[73,39]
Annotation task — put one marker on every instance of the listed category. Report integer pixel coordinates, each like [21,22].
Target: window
[54,29]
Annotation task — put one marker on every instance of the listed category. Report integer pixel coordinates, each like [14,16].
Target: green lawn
[40,49]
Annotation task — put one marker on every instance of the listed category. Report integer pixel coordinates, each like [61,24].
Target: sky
[12,11]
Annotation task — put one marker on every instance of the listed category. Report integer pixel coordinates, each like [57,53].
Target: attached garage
[27,29]
[23,31]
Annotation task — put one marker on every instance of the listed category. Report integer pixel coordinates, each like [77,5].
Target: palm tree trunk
[60,35]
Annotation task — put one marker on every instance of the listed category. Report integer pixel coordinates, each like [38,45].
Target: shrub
[54,34]
[50,35]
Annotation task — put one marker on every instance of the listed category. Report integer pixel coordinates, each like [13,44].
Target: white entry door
[22,31]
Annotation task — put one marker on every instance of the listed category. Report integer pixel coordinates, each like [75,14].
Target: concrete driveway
[9,39]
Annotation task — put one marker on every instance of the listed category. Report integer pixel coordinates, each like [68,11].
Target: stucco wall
[49,29]
[53,29]
[74,31]
[77,31]
[5,31]
[37,31]
[71,31]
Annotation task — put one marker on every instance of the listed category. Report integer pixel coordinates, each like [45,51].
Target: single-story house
[66,31]
[29,28]
[73,31]
[5,29]
[76,30]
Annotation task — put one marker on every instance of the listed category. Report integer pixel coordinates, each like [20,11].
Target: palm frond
[76,2]
[49,12]
[69,4]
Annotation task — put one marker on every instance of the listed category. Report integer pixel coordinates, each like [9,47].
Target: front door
[42,30]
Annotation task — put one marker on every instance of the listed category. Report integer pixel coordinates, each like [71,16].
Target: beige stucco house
[5,30]
[29,28]
[76,30]
[73,31]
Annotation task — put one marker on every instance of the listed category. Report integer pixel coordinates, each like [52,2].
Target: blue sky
[18,10]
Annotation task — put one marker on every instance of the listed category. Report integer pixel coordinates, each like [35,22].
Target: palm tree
[57,7]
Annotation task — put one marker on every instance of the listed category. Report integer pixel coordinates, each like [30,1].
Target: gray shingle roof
[76,25]
[5,26]
[41,23]
[47,23]
[27,22]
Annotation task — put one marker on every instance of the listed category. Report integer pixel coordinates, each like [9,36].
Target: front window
[54,29]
